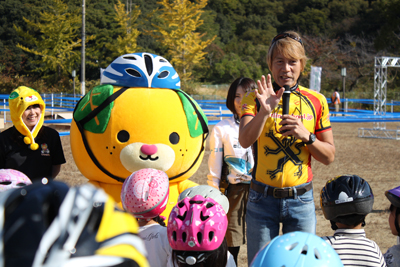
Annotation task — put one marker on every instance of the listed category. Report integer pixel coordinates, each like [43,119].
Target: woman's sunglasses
[284,35]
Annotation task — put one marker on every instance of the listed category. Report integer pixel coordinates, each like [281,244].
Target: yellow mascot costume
[138,118]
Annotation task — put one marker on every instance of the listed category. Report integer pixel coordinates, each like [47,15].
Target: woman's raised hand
[266,96]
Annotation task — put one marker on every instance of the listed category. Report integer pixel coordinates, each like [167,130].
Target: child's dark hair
[216,258]
[247,85]
[159,220]
[350,220]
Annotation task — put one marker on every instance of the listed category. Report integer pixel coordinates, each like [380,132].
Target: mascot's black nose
[149,64]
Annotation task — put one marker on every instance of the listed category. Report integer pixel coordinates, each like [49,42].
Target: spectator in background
[29,146]
[335,98]
[281,190]
[230,165]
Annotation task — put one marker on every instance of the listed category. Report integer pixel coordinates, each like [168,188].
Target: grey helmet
[206,191]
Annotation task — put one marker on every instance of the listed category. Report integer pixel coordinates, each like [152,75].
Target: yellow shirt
[285,161]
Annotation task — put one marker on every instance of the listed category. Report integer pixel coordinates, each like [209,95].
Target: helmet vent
[5,183]
[203,218]
[182,217]
[181,204]
[199,237]
[351,183]
[130,57]
[149,64]
[292,246]
[184,237]
[196,202]
[133,73]
[209,205]
[21,184]
[316,254]
[174,235]
[210,235]
[163,74]
[304,250]
[163,60]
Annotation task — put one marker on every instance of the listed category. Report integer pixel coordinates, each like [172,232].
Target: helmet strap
[334,226]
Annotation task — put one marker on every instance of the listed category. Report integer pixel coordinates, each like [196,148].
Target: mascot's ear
[195,117]
[89,102]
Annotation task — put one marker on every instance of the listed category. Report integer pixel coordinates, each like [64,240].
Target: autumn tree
[126,42]
[53,39]
[180,20]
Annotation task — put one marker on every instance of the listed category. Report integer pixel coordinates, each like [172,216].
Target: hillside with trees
[40,40]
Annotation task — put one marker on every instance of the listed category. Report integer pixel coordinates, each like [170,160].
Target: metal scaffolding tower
[380,91]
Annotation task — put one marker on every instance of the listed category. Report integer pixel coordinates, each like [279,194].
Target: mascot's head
[138,118]
[20,100]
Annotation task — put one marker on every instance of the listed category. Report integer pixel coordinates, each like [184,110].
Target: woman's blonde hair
[289,46]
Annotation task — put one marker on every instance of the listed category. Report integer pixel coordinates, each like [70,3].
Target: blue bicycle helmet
[141,70]
[297,249]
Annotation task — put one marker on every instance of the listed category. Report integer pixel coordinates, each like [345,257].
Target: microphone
[286,100]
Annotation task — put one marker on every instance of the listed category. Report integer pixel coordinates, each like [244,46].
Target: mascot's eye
[133,73]
[174,138]
[123,136]
[163,74]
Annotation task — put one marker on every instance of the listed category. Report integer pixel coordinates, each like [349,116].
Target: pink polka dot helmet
[197,224]
[10,178]
[145,193]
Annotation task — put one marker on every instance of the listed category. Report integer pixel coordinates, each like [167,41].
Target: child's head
[346,199]
[206,191]
[236,91]
[297,249]
[196,232]
[145,193]
[394,197]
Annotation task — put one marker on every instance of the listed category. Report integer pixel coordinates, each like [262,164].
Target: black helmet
[54,225]
[346,199]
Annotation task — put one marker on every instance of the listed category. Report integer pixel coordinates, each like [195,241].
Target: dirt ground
[375,160]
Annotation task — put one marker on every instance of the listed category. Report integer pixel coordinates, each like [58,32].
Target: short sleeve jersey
[285,161]
[36,164]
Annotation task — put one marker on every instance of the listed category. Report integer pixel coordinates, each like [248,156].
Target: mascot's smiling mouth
[138,156]
[148,158]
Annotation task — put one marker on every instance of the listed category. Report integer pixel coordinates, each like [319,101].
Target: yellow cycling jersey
[285,161]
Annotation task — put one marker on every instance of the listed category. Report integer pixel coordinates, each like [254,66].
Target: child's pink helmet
[10,178]
[197,224]
[145,193]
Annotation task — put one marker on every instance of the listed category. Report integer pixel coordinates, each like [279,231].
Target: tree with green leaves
[126,42]
[54,39]
[177,30]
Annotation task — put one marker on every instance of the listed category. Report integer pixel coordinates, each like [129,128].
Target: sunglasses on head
[284,35]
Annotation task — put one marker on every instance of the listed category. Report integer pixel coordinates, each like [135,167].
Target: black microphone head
[286,99]
[287,88]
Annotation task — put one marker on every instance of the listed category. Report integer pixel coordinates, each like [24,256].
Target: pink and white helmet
[10,178]
[145,193]
[197,224]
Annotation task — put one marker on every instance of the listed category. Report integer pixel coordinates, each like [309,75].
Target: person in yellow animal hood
[29,146]
[138,118]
